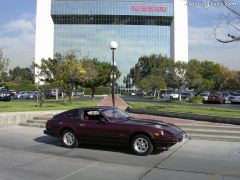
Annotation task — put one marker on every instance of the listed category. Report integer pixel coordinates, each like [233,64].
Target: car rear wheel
[69,139]
[141,145]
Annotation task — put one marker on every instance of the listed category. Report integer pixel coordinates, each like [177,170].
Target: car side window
[74,114]
[92,115]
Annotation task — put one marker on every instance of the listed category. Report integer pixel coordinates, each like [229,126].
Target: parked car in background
[216,97]
[234,98]
[204,95]
[22,95]
[32,95]
[27,95]
[226,96]
[4,95]
[133,93]
[50,93]
[186,95]
[110,126]
[169,95]
[13,94]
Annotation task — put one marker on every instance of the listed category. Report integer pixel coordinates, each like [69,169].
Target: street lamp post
[113,45]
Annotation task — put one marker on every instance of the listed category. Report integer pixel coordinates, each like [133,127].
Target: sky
[17,32]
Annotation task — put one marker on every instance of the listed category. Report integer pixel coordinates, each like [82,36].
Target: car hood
[154,124]
[146,122]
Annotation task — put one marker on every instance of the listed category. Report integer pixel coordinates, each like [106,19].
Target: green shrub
[174,101]
[196,99]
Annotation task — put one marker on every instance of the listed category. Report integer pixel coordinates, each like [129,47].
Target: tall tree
[152,83]
[4,63]
[193,75]
[64,72]
[97,74]
[180,76]
[156,65]
[20,74]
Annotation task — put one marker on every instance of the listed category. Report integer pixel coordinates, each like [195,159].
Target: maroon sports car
[110,126]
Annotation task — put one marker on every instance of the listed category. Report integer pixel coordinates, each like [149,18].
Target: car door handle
[82,125]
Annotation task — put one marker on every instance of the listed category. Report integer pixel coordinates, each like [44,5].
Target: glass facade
[87,27]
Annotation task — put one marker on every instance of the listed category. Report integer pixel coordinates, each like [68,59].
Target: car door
[95,129]
[70,119]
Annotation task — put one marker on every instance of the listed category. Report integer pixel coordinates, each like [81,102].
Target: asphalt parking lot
[26,153]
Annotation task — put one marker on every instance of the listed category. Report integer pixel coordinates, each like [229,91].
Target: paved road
[27,154]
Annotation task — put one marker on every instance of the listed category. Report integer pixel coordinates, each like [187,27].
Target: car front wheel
[69,139]
[141,145]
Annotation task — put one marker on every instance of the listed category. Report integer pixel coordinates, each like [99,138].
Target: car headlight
[159,133]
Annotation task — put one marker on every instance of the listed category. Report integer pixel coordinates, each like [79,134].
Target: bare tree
[235,13]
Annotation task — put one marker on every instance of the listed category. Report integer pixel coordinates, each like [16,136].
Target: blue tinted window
[87,27]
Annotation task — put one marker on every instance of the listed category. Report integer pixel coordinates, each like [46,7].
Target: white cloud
[22,25]
[202,42]
[205,35]
[204,46]
[18,42]
[200,36]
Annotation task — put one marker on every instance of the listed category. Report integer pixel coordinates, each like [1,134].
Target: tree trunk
[154,95]
[40,99]
[69,97]
[179,94]
[93,92]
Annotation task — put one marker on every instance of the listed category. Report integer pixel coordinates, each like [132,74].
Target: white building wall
[44,33]
[179,31]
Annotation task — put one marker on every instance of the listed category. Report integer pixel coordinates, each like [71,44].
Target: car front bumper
[166,142]
[5,98]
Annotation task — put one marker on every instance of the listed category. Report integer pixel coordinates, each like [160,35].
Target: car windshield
[225,94]
[236,94]
[215,94]
[115,115]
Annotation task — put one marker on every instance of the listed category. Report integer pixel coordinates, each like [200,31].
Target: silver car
[204,95]
[234,98]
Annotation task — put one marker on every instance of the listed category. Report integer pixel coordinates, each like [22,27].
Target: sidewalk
[119,103]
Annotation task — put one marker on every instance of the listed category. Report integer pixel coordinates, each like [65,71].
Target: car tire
[141,145]
[171,98]
[69,139]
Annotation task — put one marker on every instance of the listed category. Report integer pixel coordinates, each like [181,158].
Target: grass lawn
[211,111]
[47,106]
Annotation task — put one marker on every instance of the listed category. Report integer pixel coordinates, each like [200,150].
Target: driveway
[27,154]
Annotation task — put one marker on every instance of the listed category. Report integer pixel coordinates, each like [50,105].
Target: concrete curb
[15,118]
[215,119]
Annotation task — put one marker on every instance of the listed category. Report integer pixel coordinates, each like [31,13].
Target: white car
[204,95]
[170,95]
[235,98]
